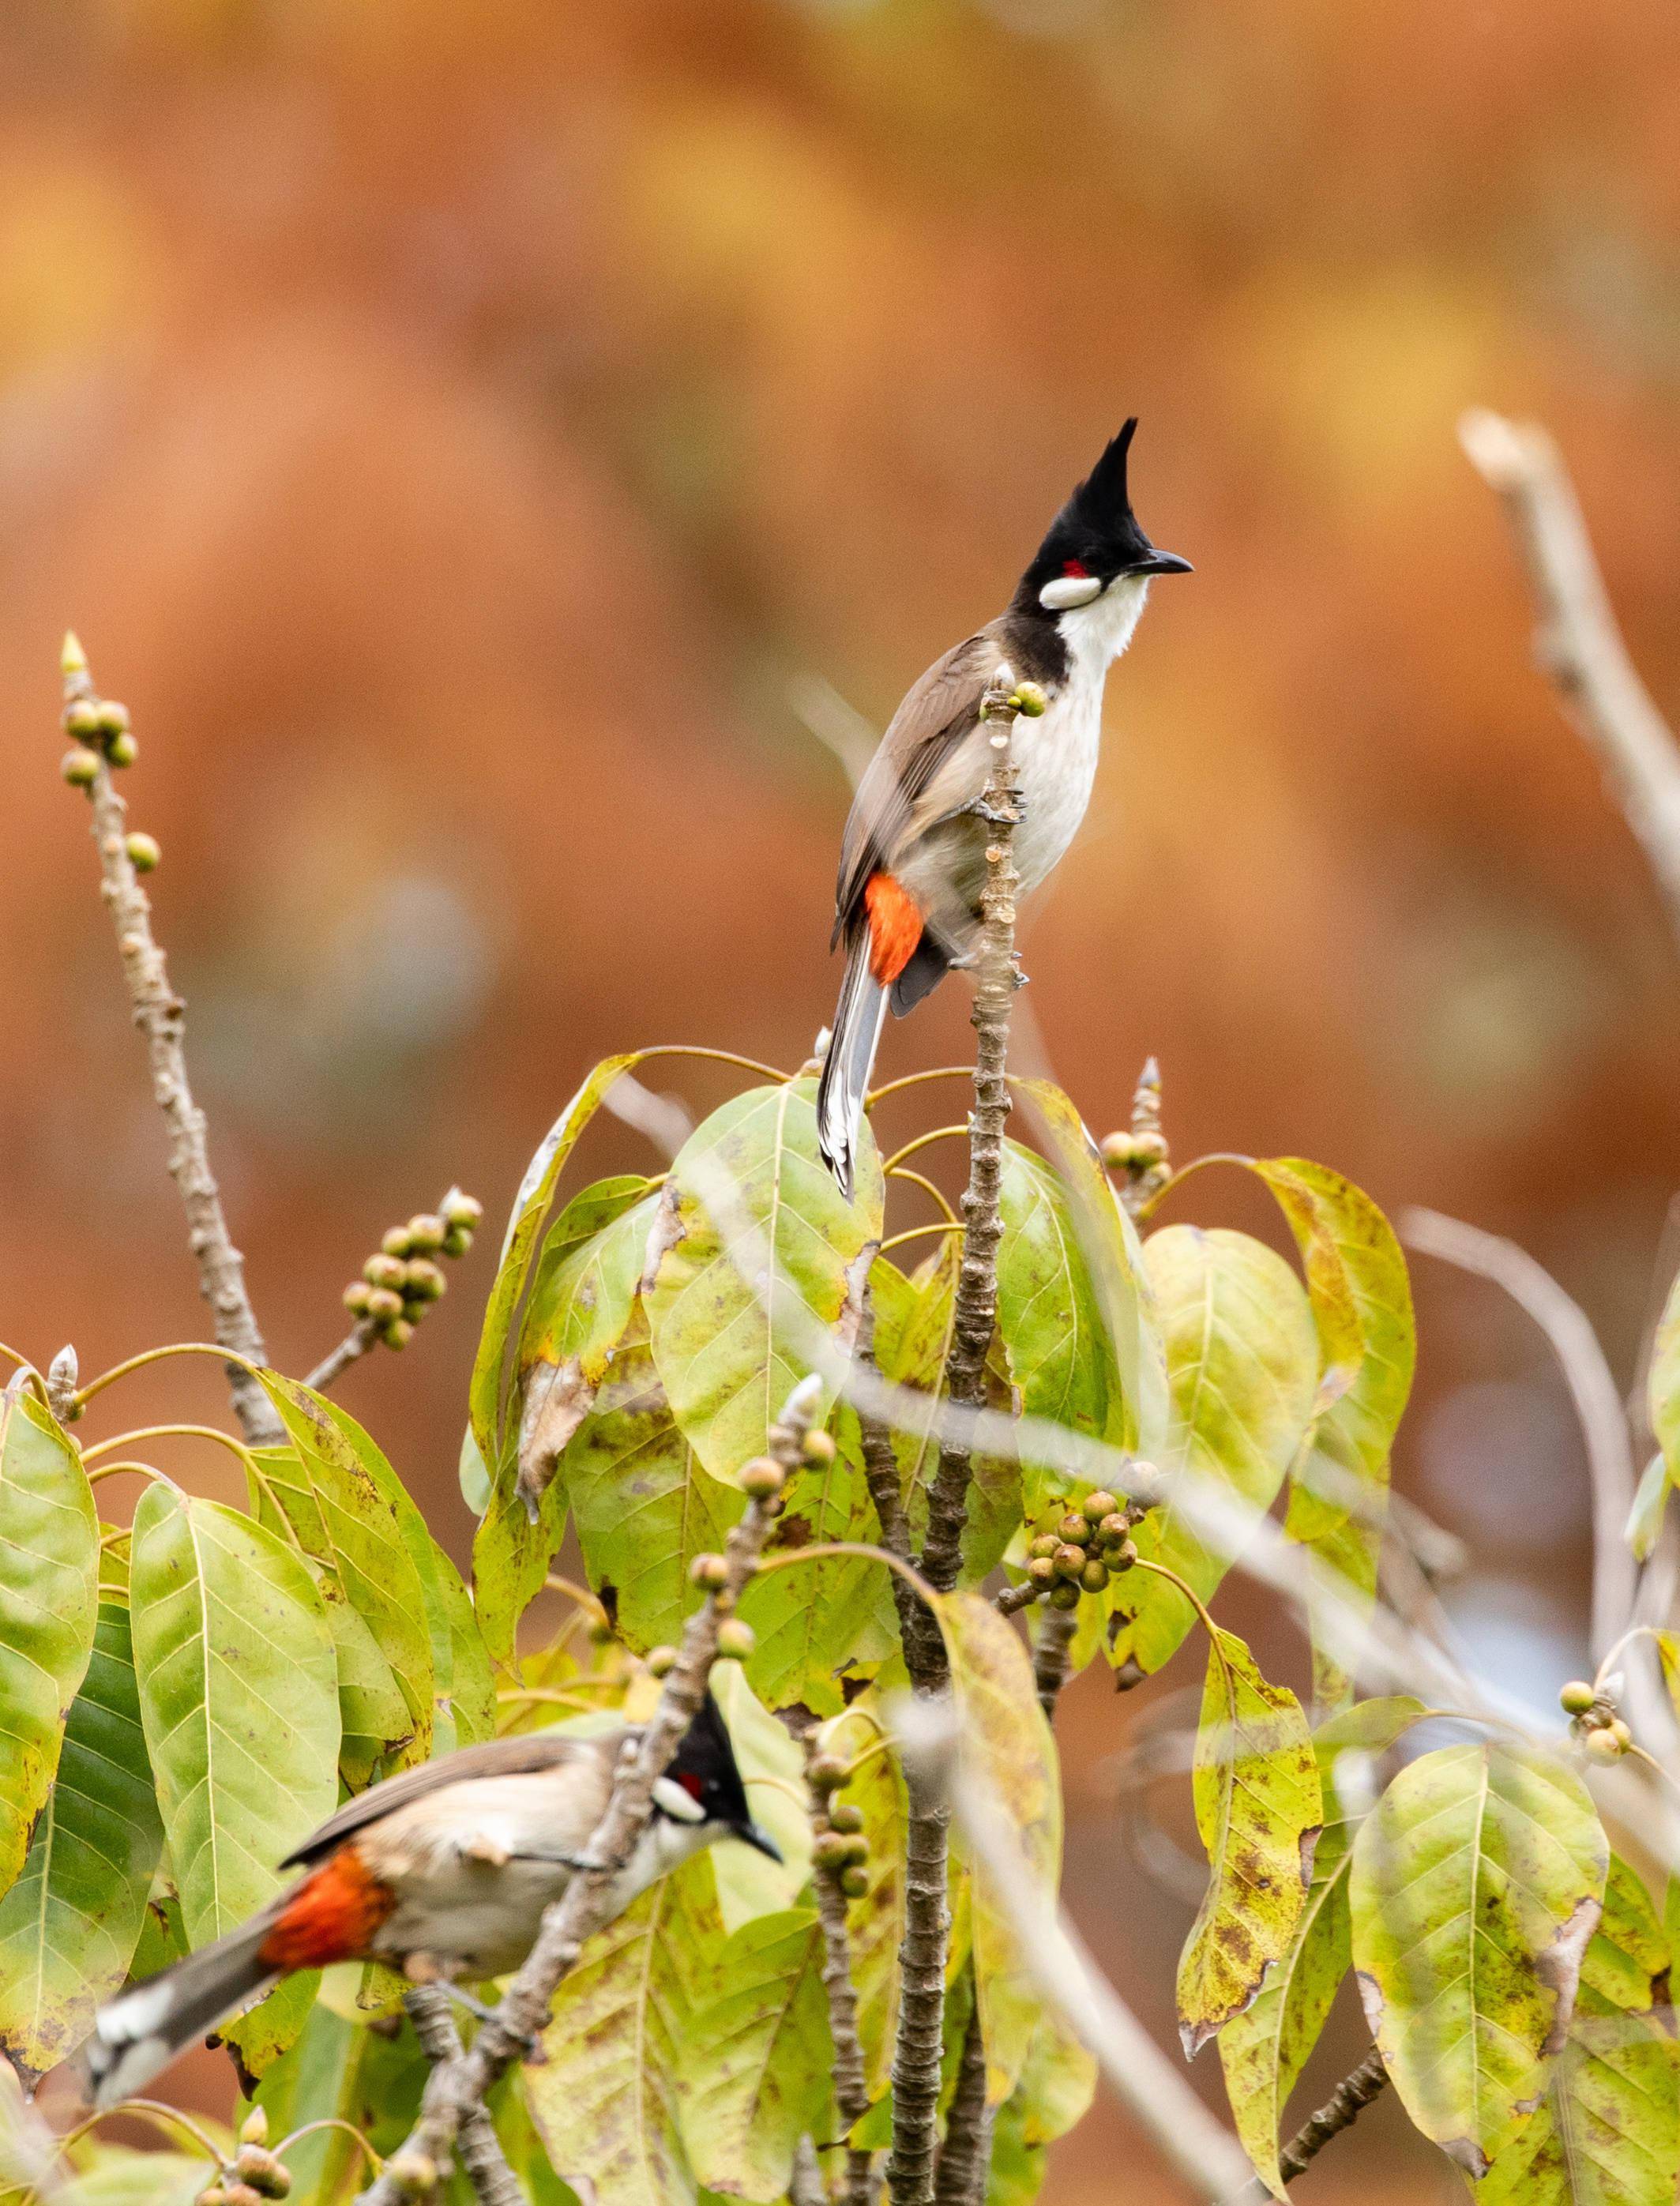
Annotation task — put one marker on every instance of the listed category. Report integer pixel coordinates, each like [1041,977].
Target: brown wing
[936,715]
[496,1758]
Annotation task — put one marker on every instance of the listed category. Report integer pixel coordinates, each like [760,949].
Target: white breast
[1058,764]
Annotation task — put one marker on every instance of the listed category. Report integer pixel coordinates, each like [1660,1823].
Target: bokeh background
[457,431]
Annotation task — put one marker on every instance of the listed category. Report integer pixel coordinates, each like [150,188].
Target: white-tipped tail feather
[140,2032]
[848,1064]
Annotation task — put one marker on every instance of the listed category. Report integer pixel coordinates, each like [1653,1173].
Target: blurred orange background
[454,429]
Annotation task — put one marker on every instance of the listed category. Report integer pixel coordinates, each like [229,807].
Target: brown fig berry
[856,1845]
[1074,1528]
[1122,1556]
[846,1817]
[1070,1561]
[1046,1544]
[854,1882]
[1065,1595]
[1094,1576]
[710,1571]
[818,1446]
[827,1773]
[1098,1505]
[1114,1527]
[830,1851]
[736,1640]
[1041,1571]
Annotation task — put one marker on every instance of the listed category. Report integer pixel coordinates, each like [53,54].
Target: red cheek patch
[1076,569]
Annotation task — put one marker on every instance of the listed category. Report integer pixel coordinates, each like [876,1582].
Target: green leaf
[755,2069]
[334,1486]
[1006,1736]
[1049,1317]
[761,1252]
[1109,1243]
[1474,1887]
[463,1708]
[49,1606]
[875,1920]
[1608,2130]
[642,1505]
[772,1769]
[1663,1404]
[530,1212]
[579,1311]
[374,1716]
[69,1925]
[1055,2092]
[1338,1493]
[1264,2049]
[1258,1807]
[238,1697]
[1645,1518]
[1242,1365]
[604,2100]
[114,2176]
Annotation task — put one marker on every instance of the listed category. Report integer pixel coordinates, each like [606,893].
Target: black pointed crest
[1096,532]
[707,1754]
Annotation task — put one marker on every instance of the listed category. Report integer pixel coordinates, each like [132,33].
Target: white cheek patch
[1067,591]
[681,1806]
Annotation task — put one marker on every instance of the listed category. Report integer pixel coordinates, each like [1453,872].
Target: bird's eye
[1075,569]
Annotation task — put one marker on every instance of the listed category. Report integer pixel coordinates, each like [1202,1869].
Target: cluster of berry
[99,733]
[252,2174]
[840,1851]
[1595,1722]
[400,1285]
[1088,1546]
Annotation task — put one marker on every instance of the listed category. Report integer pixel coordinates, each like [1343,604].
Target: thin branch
[966,2158]
[160,1015]
[919,2047]
[362,1337]
[976,1315]
[1593,1389]
[1577,643]
[494,2183]
[851,2086]
[1192,2140]
[1347,2100]
[1051,1655]
[459,2086]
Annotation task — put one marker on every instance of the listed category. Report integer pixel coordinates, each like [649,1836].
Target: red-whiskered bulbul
[912,860]
[443,1871]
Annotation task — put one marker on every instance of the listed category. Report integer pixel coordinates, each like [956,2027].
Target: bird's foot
[529,2045]
[978,808]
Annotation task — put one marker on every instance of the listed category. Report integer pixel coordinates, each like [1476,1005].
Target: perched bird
[444,1871]
[912,863]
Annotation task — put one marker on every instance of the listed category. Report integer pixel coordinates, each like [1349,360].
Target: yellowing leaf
[48,1600]
[1257,1806]
[755,2070]
[1608,2132]
[1475,1885]
[1242,1363]
[1006,1738]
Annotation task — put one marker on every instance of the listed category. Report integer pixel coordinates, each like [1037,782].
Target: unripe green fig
[854,1882]
[1095,1506]
[829,1852]
[818,1446]
[845,1817]
[122,750]
[736,1640]
[827,1773]
[762,1477]
[398,1332]
[384,1271]
[710,1571]
[457,1241]
[427,1233]
[462,1212]
[423,1280]
[396,1241]
[82,719]
[1577,1697]
[383,1305]
[145,852]
[80,766]
[1065,1595]
[1042,1571]
[1094,1576]
[661,1660]
[1070,1561]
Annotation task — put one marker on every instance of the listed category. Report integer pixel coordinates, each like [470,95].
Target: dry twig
[458,2087]
[160,1014]
[851,2088]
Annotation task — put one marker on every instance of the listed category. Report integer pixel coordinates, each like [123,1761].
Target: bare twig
[1577,643]
[160,1014]
[455,2089]
[1593,1389]
[362,1337]
[1056,1627]
[1351,2096]
[494,2183]
[1199,2147]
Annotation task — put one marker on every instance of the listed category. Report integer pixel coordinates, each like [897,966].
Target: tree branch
[1346,2102]
[920,2044]
[1056,1627]
[966,2158]
[160,1015]
[1577,643]
[455,2089]
[494,2183]
[851,2088]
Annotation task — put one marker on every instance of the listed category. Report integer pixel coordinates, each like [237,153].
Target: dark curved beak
[1164,562]
[752,1835]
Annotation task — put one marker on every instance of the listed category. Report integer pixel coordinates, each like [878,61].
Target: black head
[702,1784]
[1095,538]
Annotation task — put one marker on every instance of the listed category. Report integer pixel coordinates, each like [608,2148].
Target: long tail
[141,2030]
[850,1059]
